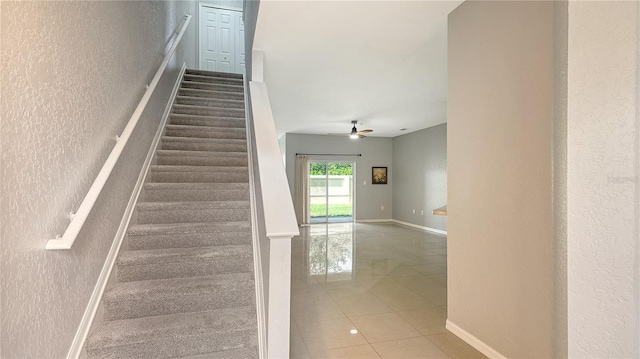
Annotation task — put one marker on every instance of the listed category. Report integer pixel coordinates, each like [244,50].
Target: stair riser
[202,161]
[188,240]
[212,94]
[204,146]
[173,302]
[239,135]
[200,177]
[168,347]
[214,111]
[214,74]
[211,87]
[210,102]
[216,80]
[167,195]
[189,120]
[199,268]
[194,216]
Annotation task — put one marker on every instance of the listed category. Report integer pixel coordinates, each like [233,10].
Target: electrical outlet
[414,211]
[382,208]
[422,213]
[364,183]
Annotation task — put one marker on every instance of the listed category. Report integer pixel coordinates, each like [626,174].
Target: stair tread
[211,91]
[218,169]
[178,228]
[179,105]
[215,73]
[206,117]
[195,185]
[205,140]
[212,77]
[210,99]
[180,325]
[200,153]
[171,255]
[206,128]
[142,289]
[175,206]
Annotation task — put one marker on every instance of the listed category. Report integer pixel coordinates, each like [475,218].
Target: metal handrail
[78,218]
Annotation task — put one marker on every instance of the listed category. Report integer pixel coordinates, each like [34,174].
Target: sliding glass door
[331,191]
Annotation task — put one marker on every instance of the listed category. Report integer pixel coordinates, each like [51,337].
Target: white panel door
[239,44]
[227,41]
[221,40]
[209,29]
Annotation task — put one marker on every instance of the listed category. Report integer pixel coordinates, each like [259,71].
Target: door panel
[221,40]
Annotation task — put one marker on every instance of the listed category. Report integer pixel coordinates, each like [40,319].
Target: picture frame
[378,175]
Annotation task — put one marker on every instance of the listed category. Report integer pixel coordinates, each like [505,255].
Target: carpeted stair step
[239,96]
[208,111]
[243,353]
[209,102]
[188,235]
[193,212]
[178,295]
[201,158]
[199,174]
[203,144]
[209,121]
[176,335]
[205,132]
[213,79]
[183,262]
[172,192]
[211,87]
[213,73]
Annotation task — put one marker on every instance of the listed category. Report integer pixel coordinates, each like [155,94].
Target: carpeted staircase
[185,285]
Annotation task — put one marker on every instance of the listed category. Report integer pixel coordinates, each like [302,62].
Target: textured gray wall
[376,151]
[420,176]
[603,176]
[500,228]
[72,73]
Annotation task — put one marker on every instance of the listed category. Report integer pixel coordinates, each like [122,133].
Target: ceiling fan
[354,132]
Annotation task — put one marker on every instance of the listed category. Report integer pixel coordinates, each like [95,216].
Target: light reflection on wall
[331,251]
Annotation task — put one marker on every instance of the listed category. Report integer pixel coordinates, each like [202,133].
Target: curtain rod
[329,154]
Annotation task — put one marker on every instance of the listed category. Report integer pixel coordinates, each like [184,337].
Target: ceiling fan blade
[365,131]
[361,135]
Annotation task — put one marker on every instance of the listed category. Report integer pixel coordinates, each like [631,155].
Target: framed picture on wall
[379,175]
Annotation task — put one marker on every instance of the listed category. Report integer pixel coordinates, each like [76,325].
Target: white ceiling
[382,63]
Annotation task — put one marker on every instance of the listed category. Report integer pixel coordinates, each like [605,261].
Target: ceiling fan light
[353,135]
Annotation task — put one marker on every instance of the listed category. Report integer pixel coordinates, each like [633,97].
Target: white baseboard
[478,344]
[374,220]
[424,228]
[87,321]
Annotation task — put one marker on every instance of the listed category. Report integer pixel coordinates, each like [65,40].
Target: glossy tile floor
[370,291]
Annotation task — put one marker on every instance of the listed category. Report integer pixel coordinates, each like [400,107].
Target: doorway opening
[331,197]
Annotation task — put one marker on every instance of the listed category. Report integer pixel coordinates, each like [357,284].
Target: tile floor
[370,291]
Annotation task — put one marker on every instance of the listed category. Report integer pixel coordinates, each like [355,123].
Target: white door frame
[211,6]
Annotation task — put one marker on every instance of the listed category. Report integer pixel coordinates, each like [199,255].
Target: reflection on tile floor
[370,291]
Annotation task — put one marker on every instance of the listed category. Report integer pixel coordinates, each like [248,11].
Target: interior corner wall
[376,152]
[603,176]
[499,150]
[71,75]
[250,17]
[420,176]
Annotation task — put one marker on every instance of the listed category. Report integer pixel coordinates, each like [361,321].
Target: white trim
[424,228]
[257,257]
[374,221]
[72,231]
[95,301]
[216,6]
[478,344]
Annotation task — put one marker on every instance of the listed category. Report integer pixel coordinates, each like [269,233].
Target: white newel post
[279,297]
